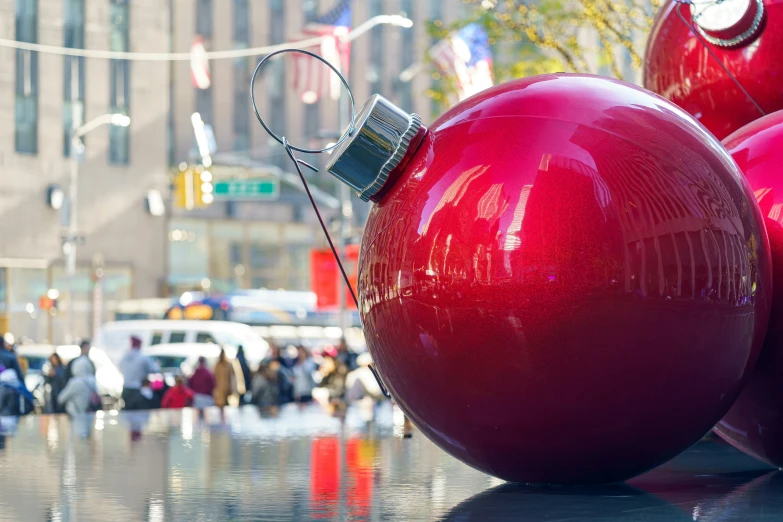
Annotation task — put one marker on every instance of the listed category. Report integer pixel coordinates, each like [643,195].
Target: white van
[114,337]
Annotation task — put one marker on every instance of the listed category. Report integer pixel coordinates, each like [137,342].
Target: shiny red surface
[755,422]
[678,67]
[568,283]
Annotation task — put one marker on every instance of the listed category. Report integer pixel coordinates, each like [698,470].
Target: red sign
[326,279]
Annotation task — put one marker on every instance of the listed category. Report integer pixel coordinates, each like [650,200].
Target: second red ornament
[745,36]
[755,422]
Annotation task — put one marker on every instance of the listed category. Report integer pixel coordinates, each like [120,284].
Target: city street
[304,464]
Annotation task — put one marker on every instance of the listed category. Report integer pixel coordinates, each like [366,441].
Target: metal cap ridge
[728,23]
[382,135]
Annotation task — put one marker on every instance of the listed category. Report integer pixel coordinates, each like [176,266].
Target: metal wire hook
[298,165]
[351,126]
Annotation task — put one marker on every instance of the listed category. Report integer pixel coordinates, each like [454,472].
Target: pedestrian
[266,389]
[9,361]
[361,382]
[225,380]
[345,356]
[14,397]
[148,399]
[285,383]
[178,396]
[78,396]
[56,379]
[273,354]
[24,364]
[247,375]
[84,352]
[135,367]
[303,372]
[333,373]
[202,382]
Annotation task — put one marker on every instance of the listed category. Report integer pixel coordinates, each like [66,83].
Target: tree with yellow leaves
[589,36]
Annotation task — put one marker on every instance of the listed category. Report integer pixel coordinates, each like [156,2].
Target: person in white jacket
[77,393]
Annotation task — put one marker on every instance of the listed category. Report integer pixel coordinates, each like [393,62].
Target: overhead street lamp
[71,238]
[397,20]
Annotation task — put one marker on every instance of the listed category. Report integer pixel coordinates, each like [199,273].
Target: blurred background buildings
[142,229]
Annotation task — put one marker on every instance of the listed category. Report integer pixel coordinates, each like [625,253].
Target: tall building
[40,94]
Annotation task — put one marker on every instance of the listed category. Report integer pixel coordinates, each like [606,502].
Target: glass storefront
[188,253]
[224,255]
[25,290]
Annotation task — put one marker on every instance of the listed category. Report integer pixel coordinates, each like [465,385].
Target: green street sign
[251,188]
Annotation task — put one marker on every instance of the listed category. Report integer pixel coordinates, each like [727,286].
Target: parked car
[114,337]
[107,375]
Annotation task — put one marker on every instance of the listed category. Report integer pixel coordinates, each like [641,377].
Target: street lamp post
[346,207]
[346,214]
[71,238]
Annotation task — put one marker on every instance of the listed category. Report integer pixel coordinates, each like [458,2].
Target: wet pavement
[305,464]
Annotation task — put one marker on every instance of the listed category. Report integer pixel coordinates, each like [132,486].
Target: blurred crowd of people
[331,375]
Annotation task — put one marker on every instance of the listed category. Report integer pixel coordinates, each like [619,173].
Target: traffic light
[181,191]
[193,188]
[202,188]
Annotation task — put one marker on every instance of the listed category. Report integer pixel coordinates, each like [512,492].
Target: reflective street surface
[305,464]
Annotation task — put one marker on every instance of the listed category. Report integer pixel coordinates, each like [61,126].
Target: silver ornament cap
[381,137]
[728,23]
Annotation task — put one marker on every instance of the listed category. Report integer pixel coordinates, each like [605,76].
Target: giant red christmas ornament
[564,280]
[755,422]
[745,35]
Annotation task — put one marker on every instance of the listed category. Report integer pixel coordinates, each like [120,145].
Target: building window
[119,81]
[310,9]
[204,29]
[171,133]
[241,77]
[204,18]
[3,291]
[276,87]
[407,54]
[73,70]
[376,50]
[241,22]
[204,104]
[312,111]
[26,101]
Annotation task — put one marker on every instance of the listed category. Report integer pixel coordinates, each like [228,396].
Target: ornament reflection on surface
[518,502]
[745,35]
[758,500]
[755,422]
[566,281]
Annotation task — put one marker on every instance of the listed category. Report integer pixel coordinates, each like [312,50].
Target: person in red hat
[135,368]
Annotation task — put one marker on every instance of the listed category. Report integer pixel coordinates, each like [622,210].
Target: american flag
[312,79]
[467,56]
